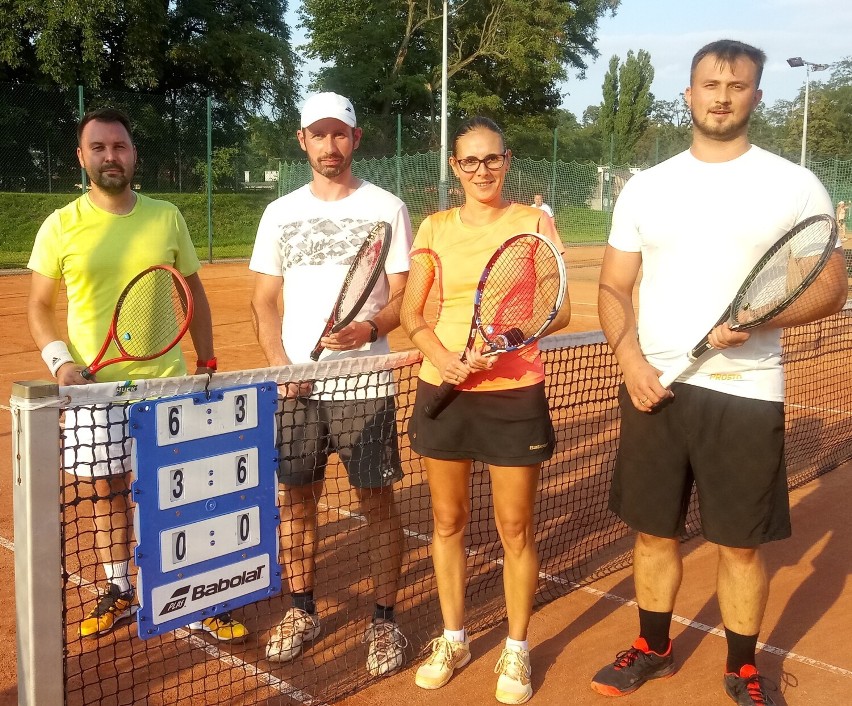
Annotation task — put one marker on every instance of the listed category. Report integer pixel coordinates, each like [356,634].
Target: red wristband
[209,364]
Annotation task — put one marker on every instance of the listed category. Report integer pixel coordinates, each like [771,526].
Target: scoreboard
[205,487]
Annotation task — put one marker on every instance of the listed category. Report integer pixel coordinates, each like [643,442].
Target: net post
[38,562]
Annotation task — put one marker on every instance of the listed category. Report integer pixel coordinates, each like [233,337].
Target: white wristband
[55,354]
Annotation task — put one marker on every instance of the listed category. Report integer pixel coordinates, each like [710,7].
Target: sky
[819,31]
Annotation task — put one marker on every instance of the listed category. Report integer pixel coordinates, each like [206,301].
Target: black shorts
[499,427]
[731,447]
[362,432]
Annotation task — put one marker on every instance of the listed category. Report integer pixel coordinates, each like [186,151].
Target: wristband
[209,364]
[55,354]
[374,331]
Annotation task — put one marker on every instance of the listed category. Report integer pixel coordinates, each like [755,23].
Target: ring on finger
[644,401]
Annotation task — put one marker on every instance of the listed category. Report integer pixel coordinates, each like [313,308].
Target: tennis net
[579,540]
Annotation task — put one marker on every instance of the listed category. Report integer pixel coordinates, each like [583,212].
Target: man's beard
[330,171]
[110,183]
[721,132]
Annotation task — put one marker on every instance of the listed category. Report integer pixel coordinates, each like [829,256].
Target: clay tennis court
[570,637]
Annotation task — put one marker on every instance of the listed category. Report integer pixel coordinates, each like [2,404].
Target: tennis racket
[359,282]
[519,293]
[152,314]
[780,277]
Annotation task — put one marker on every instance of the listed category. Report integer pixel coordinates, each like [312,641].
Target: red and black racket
[359,282]
[152,314]
[780,277]
[519,293]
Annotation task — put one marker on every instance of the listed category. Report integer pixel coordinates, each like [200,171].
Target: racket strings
[151,315]
[786,270]
[519,294]
[359,277]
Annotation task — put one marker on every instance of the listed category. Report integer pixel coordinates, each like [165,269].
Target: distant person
[840,216]
[538,202]
[305,243]
[96,245]
[721,426]
[500,416]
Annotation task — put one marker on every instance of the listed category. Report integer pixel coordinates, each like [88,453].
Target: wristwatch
[209,364]
[374,333]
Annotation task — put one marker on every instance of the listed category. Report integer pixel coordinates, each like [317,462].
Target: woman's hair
[477,122]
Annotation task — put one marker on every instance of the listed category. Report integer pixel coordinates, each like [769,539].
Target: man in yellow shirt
[97,244]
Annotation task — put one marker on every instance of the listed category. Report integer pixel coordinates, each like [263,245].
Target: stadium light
[442,186]
[795,62]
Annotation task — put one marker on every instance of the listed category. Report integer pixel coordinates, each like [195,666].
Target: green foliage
[627,104]
[506,58]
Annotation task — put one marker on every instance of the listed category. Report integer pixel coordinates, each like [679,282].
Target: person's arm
[201,326]
[420,279]
[266,319]
[41,317]
[618,321]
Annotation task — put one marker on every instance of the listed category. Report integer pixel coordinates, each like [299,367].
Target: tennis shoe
[223,627]
[113,606]
[385,647]
[295,628]
[747,687]
[446,657]
[632,668]
[513,685]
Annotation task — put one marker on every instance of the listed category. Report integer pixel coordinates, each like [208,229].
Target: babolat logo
[125,387]
[211,589]
[177,601]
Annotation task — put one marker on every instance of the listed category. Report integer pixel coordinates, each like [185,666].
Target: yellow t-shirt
[460,253]
[97,253]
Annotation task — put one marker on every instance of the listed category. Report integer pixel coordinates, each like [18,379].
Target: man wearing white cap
[305,243]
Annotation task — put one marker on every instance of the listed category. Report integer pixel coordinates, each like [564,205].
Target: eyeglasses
[471,164]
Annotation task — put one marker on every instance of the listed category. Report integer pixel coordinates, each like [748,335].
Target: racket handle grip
[677,368]
[87,373]
[439,400]
[316,353]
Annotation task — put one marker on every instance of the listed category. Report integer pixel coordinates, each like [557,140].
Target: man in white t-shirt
[538,202]
[721,426]
[305,243]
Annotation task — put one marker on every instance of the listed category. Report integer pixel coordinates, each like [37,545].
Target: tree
[505,58]
[627,103]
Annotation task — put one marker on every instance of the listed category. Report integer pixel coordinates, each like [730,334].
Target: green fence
[178,135]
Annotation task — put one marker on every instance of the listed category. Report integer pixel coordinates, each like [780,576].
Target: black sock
[741,650]
[654,627]
[383,612]
[304,601]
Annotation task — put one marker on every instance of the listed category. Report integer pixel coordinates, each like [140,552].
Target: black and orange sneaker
[632,668]
[113,607]
[747,688]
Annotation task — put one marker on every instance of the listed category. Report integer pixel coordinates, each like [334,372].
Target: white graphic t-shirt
[311,244]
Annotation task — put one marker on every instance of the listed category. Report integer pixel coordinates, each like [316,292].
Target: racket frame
[682,364]
[336,322]
[441,395]
[112,337]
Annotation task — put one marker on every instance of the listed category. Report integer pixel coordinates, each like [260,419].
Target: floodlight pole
[796,62]
[442,185]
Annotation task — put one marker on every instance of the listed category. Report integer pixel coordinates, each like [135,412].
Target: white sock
[517,645]
[117,573]
[454,635]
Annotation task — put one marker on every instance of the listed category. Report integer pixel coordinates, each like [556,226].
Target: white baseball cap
[327,105]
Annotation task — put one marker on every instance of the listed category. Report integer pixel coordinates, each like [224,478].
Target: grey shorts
[361,432]
[731,448]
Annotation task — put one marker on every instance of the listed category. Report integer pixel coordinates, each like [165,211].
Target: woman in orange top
[500,416]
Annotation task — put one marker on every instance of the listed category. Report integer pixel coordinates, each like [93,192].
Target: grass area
[235,219]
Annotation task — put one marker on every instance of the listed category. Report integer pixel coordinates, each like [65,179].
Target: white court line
[786,654]
[844,412]
[270,680]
